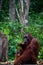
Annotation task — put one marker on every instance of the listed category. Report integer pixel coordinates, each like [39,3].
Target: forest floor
[12,63]
[7,63]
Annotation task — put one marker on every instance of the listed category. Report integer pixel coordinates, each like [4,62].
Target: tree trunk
[23,14]
[26,6]
[12,10]
[3,47]
[24,10]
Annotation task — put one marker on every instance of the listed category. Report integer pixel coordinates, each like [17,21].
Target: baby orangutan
[21,48]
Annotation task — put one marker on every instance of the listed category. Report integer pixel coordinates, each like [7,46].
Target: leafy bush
[13,32]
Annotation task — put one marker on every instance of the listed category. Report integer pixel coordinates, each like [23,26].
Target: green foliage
[13,29]
[36,6]
[41,54]
[13,32]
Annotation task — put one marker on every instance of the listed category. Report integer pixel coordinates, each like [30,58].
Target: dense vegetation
[12,29]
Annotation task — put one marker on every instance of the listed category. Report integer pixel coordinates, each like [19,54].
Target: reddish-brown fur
[20,50]
[29,56]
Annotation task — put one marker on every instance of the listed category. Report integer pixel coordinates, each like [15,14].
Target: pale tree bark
[23,15]
[24,10]
[12,10]
[21,11]
[27,4]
